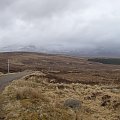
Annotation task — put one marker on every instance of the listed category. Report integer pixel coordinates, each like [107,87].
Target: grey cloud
[4,4]
[78,24]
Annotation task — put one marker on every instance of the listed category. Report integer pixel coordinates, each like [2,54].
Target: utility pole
[8,66]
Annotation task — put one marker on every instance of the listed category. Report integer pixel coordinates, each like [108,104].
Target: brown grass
[27,93]
[64,67]
[35,98]
[1,73]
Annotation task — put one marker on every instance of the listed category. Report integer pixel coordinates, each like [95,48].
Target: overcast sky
[70,23]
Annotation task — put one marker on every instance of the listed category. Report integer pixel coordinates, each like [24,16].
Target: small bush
[25,93]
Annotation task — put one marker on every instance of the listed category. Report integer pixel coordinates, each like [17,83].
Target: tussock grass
[1,73]
[28,93]
[34,98]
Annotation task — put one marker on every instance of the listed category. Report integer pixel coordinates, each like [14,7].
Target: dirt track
[6,79]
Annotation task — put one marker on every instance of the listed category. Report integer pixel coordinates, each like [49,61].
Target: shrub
[25,93]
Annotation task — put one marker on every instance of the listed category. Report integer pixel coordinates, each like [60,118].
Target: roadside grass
[34,98]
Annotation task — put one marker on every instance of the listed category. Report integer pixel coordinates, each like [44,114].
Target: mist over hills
[59,49]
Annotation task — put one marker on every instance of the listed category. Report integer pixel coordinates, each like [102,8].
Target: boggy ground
[92,77]
[62,66]
[41,96]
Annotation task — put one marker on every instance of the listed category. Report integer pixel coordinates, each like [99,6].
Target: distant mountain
[28,48]
[59,49]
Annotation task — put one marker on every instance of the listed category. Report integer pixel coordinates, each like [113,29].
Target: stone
[72,103]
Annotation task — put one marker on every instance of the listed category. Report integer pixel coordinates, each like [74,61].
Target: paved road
[6,79]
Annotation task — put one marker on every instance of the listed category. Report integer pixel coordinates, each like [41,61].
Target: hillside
[58,87]
[61,66]
[113,61]
[37,97]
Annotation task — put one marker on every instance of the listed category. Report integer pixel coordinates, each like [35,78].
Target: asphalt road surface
[6,79]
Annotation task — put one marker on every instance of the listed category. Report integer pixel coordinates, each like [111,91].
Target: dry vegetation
[63,67]
[104,77]
[41,97]
[1,73]
[20,61]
